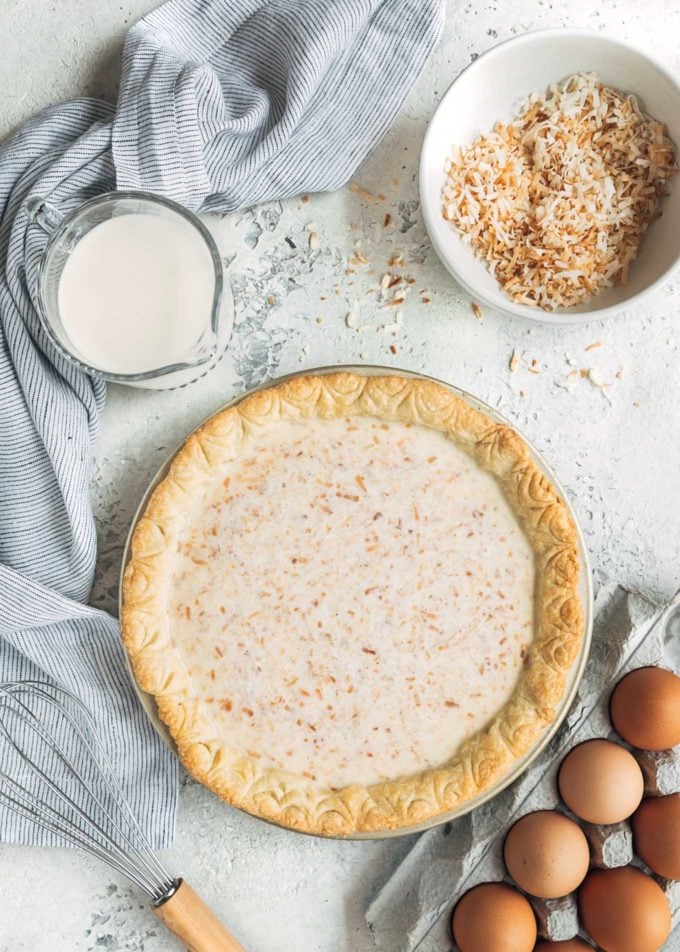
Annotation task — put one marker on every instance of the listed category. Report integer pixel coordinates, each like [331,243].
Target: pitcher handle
[44,214]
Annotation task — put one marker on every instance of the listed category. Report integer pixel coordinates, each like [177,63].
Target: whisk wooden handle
[194,923]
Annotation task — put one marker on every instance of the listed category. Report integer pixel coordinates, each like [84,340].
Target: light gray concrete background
[616,449]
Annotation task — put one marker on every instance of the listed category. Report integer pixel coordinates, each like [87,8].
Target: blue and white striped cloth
[223,103]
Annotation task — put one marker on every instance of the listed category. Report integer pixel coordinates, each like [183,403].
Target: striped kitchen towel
[223,103]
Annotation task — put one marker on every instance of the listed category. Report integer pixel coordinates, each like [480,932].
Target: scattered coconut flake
[385,282]
[361,192]
[313,240]
[594,345]
[303,353]
[556,202]
[569,381]
[358,258]
[513,364]
[388,220]
[395,261]
[476,310]
[595,377]
[351,321]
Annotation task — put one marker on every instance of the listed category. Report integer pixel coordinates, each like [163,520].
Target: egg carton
[412,912]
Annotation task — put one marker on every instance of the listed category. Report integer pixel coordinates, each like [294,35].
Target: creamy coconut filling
[355,600]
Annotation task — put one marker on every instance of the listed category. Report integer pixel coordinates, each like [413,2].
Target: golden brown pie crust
[292,800]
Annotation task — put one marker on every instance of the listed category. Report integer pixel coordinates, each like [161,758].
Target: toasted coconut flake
[557,201]
[362,193]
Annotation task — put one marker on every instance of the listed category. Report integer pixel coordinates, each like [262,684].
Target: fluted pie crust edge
[291,800]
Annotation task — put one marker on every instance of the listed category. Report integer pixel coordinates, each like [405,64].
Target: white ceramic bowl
[490,90]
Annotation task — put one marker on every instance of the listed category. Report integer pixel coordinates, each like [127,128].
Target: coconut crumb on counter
[358,258]
[513,363]
[476,310]
[602,379]
[313,235]
[362,193]
[557,201]
[595,377]
[569,382]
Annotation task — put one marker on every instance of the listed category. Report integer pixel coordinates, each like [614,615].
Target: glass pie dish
[534,741]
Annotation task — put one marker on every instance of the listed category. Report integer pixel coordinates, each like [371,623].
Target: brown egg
[656,834]
[494,917]
[547,854]
[567,945]
[645,708]
[601,782]
[623,910]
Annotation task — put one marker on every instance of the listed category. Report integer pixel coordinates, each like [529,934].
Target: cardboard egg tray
[413,909]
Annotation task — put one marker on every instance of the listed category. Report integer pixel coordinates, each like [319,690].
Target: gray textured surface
[617,451]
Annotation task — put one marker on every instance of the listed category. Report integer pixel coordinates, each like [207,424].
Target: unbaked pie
[354,600]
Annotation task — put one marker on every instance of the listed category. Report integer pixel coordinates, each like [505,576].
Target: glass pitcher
[65,233]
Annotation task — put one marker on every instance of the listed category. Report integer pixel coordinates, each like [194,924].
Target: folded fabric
[223,103]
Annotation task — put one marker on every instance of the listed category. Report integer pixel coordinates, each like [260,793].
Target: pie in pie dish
[355,602]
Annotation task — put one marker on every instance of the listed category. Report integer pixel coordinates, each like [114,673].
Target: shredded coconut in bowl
[557,201]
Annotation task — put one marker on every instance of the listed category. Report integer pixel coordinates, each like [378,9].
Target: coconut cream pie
[354,600]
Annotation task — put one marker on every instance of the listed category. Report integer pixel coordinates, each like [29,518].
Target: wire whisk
[55,774]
